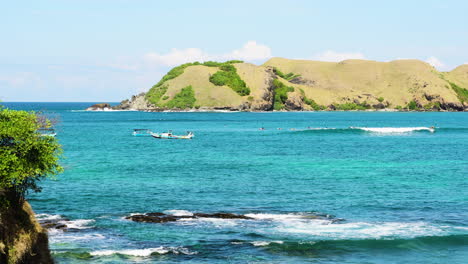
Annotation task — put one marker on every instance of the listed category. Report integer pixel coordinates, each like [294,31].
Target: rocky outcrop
[137,102]
[22,239]
[99,107]
[164,218]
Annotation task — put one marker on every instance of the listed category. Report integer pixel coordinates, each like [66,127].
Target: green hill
[285,84]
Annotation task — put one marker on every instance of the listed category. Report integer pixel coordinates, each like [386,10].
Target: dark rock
[157,217]
[54,224]
[303,81]
[379,106]
[98,107]
[356,101]
[221,215]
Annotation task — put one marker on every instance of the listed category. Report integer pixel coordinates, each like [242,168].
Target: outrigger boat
[142,132]
[169,135]
[47,132]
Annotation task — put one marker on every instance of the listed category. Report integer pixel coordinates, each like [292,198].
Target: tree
[26,156]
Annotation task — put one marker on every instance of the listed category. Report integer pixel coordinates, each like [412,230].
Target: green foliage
[462,93]
[155,94]
[432,105]
[412,105]
[228,76]
[352,106]
[158,90]
[311,102]
[26,155]
[250,98]
[287,77]
[281,94]
[380,99]
[183,100]
[398,107]
[165,97]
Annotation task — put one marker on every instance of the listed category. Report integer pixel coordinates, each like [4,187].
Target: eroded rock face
[295,102]
[157,217]
[137,102]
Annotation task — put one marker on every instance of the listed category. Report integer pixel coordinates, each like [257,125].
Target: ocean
[315,190]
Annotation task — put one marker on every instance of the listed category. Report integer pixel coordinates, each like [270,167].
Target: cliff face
[311,85]
[22,239]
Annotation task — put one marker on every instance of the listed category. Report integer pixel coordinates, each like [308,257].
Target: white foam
[58,236]
[45,217]
[361,230]
[178,212]
[144,252]
[78,224]
[394,129]
[282,217]
[265,243]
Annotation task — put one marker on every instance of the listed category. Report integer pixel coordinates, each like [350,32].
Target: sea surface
[317,190]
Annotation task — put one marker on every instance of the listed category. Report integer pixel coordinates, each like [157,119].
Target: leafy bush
[155,94]
[184,99]
[287,77]
[281,94]
[352,106]
[380,99]
[228,76]
[462,93]
[26,155]
[165,97]
[412,105]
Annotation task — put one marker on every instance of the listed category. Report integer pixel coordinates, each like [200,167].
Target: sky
[109,50]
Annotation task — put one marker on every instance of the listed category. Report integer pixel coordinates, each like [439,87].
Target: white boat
[169,135]
[47,132]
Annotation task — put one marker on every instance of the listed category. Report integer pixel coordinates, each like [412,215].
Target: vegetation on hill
[287,77]
[158,90]
[183,100]
[227,75]
[352,106]
[281,94]
[462,93]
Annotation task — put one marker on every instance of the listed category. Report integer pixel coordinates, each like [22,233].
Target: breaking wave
[146,252]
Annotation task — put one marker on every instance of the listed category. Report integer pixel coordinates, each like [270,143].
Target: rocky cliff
[22,239]
[297,85]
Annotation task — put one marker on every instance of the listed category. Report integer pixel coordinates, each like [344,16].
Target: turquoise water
[402,197]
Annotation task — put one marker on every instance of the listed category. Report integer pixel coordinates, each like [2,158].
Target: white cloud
[251,51]
[435,62]
[176,57]
[334,56]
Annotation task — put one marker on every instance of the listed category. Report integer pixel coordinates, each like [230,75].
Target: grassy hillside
[284,84]
[397,82]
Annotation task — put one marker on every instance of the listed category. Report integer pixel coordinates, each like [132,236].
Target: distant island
[302,85]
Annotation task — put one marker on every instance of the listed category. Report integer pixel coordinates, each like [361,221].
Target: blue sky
[102,50]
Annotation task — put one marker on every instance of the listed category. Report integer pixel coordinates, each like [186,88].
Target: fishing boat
[169,135]
[47,132]
[142,132]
